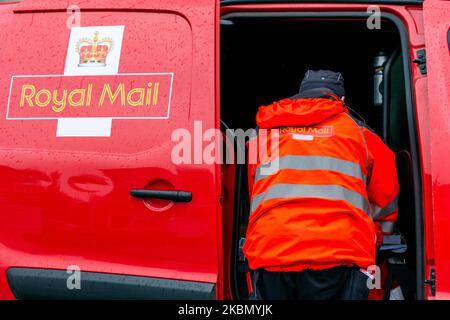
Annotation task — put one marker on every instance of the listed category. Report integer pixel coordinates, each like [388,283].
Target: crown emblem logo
[93,52]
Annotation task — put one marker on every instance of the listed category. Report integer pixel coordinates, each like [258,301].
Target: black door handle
[176,196]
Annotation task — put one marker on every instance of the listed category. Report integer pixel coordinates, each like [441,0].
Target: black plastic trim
[37,284]
[421,60]
[448,38]
[411,111]
[386,95]
[239,176]
[176,196]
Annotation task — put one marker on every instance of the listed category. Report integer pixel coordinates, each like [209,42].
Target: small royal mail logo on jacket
[320,131]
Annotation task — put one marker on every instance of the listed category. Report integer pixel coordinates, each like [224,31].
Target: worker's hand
[379,234]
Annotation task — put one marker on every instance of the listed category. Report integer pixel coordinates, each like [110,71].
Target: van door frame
[411,116]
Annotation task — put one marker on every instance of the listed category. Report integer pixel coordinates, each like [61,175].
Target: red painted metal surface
[437,25]
[65,200]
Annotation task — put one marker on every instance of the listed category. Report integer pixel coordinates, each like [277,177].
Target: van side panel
[437,25]
[65,199]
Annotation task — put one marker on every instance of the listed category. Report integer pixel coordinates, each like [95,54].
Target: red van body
[65,199]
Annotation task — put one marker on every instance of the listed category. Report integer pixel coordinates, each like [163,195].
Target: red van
[91,96]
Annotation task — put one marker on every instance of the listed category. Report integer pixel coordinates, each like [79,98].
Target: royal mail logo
[122,96]
[91,92]
[93,52]
[320,131]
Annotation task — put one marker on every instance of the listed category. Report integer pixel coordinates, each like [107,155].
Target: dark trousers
[339,283]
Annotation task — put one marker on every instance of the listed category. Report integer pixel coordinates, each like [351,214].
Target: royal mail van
[96,97]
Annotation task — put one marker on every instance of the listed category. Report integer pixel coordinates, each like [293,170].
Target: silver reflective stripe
[323,191]
[363,139]
[310,163]
[387,226]
[380,212]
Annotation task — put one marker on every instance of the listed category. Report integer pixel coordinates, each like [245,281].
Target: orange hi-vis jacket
[320,183]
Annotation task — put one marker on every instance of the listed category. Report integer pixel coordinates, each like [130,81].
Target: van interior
[263,59]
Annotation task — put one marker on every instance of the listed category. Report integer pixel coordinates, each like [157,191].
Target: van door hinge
[432,281]
[421,60]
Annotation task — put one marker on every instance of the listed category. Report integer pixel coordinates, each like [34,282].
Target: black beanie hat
[318,83]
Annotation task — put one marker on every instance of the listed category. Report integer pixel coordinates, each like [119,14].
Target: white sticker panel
[91,51]
[84,127]
[94,50]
